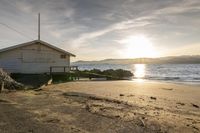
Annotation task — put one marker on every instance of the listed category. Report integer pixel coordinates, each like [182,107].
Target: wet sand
[102,106]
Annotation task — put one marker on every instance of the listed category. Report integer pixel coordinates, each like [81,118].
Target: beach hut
[35,57]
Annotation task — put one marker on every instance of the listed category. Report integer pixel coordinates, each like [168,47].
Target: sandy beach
[102,107]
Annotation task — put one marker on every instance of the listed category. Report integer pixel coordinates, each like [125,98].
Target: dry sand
[102,107]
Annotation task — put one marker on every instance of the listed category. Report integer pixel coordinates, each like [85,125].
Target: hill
[194,59]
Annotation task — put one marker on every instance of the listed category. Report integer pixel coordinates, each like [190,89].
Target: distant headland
[185,59]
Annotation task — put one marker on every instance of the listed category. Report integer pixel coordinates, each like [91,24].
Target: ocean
[185,73]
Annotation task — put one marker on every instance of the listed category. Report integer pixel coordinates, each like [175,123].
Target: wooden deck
[64,69]
[65,72]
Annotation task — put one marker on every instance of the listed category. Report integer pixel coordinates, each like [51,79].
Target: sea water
[187,73]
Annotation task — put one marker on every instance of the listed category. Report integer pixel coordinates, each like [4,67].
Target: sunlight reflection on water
[139,72]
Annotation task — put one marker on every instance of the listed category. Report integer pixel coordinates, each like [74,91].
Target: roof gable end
[33,42]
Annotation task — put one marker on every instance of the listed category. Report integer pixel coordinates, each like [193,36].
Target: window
[63,56]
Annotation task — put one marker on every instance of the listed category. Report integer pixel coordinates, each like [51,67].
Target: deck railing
[64,68]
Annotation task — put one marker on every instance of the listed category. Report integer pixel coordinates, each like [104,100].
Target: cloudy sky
[99,29]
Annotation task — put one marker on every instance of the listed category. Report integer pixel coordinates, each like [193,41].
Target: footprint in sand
[153,98]
[121,95]
[179,103]
[194,105]
[168,89]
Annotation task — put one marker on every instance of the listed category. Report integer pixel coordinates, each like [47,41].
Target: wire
[14,5]
[16,30]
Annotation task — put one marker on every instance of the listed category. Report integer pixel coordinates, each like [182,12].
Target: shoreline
[138,80]
[190,83]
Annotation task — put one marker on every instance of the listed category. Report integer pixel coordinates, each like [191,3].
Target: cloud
[91,24]
[84,38]
[141,21]
[190,49]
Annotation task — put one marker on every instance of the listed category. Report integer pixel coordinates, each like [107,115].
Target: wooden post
[2,86]
[50,70]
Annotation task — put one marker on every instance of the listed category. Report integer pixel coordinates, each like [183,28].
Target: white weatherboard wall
[34,58]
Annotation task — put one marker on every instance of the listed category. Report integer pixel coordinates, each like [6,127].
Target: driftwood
[7,82]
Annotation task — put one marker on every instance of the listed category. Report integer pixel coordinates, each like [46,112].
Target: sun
[138,46]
